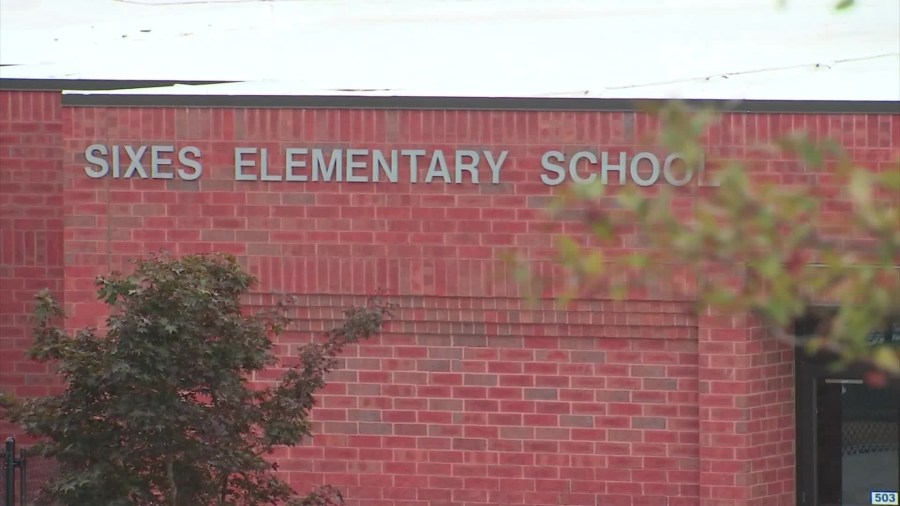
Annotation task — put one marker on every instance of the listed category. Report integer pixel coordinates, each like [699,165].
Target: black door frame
[805,448]
[808,372]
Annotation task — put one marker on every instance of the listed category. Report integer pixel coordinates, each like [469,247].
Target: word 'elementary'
[373,165]
[363,165]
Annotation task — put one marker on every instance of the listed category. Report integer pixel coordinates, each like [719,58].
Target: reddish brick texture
[473,395]
[31,229]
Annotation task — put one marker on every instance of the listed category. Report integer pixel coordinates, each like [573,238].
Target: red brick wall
[468,400]
[747,424]
[471,397]
[31,229]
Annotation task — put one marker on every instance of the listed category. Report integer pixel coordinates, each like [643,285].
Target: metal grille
[870,420]
[868,437]
[40,471]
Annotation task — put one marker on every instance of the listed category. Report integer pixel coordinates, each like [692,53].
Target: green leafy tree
[751,247]
[158,409]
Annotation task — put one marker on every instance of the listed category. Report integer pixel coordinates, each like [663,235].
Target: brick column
[747,439]
[31,231]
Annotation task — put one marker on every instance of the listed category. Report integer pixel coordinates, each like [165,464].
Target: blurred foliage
[839,5]
[157,410]
[749,246]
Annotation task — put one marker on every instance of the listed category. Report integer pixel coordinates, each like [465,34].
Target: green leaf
[769,266]
[887,358]
[860,186]
[568,248]
[845,4]
[592,265]
[637,260]
[890,179]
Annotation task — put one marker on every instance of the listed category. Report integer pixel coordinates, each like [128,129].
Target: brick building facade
[471,396]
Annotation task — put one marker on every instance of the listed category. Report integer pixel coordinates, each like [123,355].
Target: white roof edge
[645,49]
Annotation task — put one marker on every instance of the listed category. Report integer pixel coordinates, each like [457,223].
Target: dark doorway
[848,438]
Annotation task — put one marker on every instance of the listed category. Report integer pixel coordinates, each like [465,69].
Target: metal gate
[23,474]
[11,463]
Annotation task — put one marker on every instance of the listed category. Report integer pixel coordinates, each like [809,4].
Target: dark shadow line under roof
[474,103]
[411,102]
[23,84]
